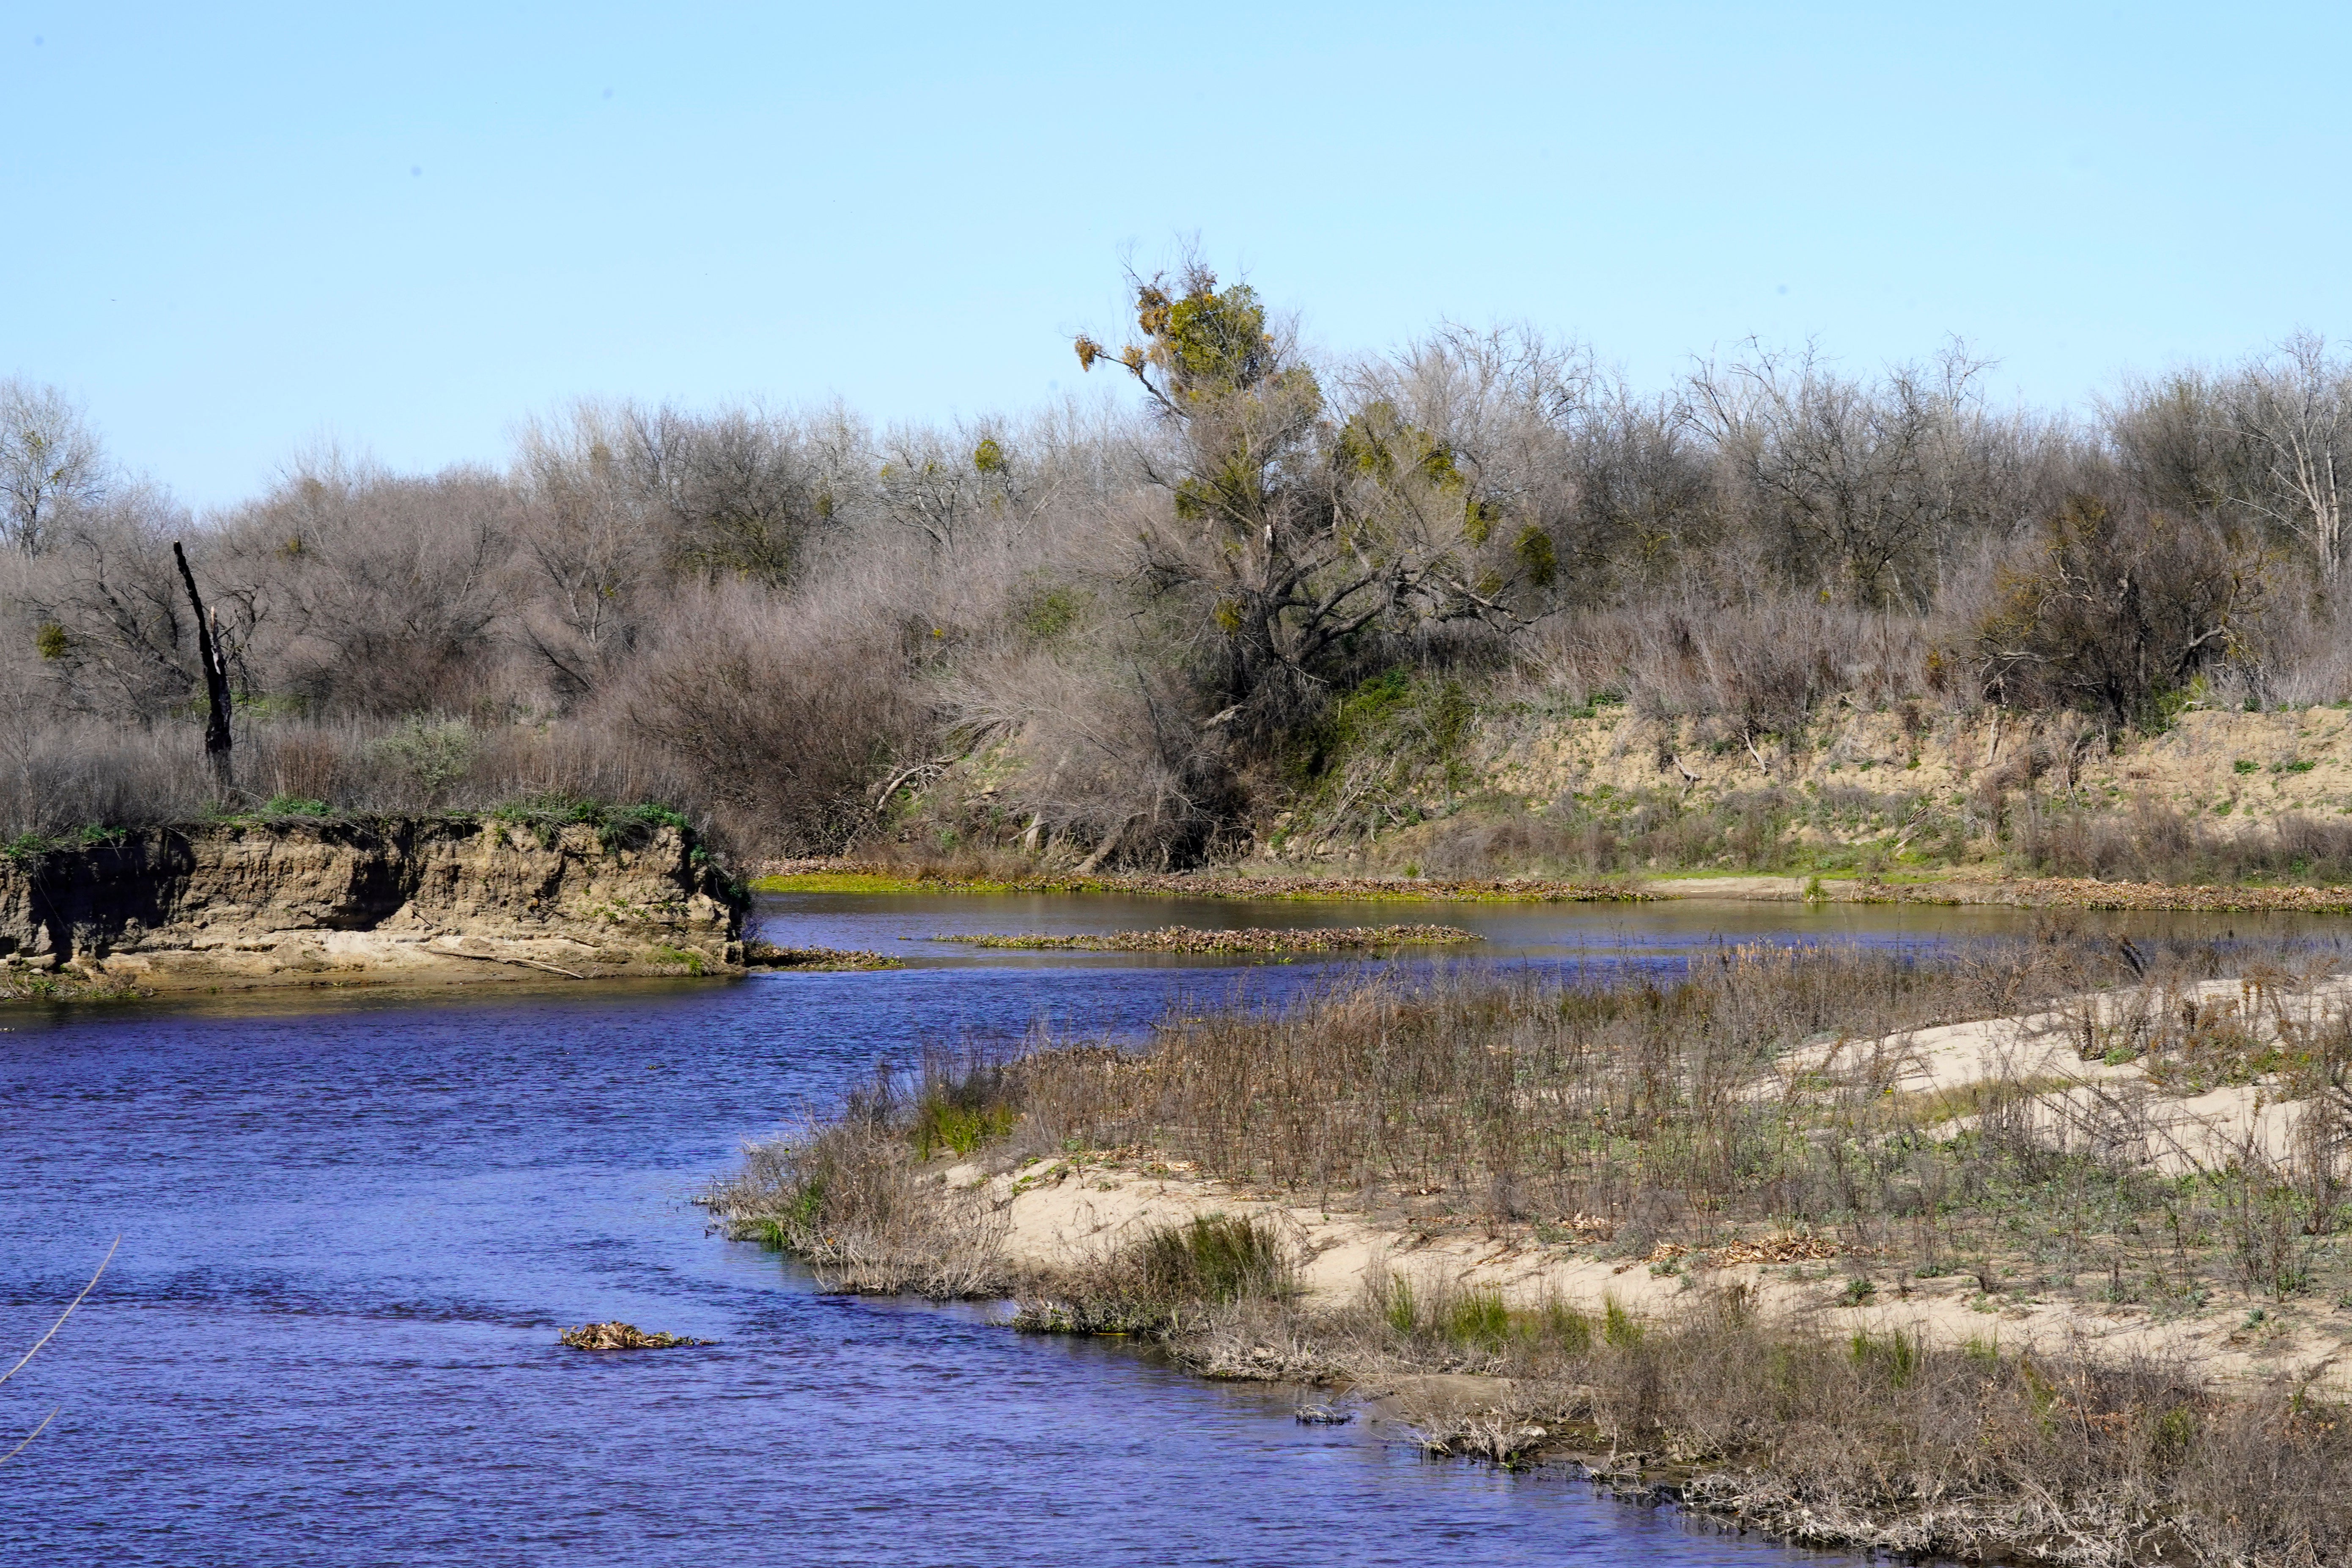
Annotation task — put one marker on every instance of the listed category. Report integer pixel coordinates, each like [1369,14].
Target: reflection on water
[353,1226]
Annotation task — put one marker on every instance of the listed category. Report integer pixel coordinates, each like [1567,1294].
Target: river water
[352,1224]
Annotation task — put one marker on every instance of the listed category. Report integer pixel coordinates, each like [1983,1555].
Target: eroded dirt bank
[433,901]
[1521,784]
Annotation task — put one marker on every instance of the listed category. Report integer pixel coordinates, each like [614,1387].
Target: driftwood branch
[28,1440]
[504,958]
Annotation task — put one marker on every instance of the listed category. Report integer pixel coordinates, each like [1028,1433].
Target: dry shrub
[1744,829]
[797,609]
[2113,608]
[1424,1085]
[1762,661]
[59,777]
[1880,1440]
[784,720]
[1109,767]
[1468,846]
[842,1202]
[2157,843]
[383,590]
[2297,655]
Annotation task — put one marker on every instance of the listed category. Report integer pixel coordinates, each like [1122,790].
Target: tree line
[1131,616]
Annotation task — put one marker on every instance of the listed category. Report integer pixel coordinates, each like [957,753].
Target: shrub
[2115,609]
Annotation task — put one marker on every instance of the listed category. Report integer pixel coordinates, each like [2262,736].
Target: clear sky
[233,230]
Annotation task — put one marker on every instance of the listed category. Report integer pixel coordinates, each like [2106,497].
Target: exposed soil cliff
[1442,781]
[432,900]
[1520,788]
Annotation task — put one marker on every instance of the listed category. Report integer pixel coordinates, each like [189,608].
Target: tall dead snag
[216,732]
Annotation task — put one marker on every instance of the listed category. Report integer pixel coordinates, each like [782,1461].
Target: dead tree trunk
[217,739]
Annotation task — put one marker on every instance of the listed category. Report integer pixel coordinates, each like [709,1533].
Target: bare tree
[737,493]
[1862,477]
[2175,439]
[121,644]
[1506,408]
[1644,488]
[2294,413]
[368,592]
[586,537]
[51,462]
[218,741]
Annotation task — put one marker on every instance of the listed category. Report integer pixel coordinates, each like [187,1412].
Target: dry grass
[1522,1098]
[1883,1442]
[847,1199]
[2159,843]
[1665,1112]
[1675,1122]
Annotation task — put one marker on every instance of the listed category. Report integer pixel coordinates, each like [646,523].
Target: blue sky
[406,227]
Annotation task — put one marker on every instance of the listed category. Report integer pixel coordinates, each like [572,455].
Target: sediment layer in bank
[416,901]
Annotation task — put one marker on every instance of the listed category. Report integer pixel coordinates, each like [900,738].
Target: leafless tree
[116,631]
[2293,411]
[738,494]
[2174,440]
[51,462]
[359,591]
[590,546]
[1864,476]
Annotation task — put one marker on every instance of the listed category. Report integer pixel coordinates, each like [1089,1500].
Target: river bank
[429,901]
[1820,1238]
[1520,781]
[997,875]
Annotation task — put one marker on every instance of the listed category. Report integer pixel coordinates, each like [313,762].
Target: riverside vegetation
[1745,1232]
[1475,607]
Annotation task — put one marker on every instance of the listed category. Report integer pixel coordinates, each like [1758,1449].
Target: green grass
[1268,888]
[1619,1327]
[544,816]
[1217,1257]
[293,805]
[842,882]
[941,1124]
[1479,1318]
